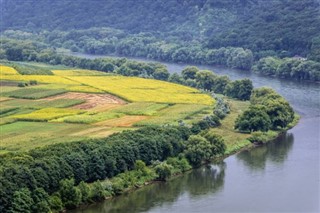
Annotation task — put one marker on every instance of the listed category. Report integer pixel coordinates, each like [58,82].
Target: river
[282,176]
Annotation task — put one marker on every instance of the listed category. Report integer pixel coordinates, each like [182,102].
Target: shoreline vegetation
[63,176]
[233,149]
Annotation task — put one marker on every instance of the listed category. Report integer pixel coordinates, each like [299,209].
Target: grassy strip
[89,118]
[46,114]
[33,93]
[141,108]
[39,104]
[173,114]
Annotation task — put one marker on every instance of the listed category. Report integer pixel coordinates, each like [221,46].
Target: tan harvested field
[91,100]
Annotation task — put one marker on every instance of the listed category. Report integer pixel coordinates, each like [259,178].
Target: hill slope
[278,25]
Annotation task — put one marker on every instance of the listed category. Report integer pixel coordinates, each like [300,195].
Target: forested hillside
[278,37]
[259,25]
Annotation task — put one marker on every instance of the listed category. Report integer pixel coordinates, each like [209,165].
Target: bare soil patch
[91,100]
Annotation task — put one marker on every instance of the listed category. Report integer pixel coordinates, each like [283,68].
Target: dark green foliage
[41,201]
[239,89]
[218,146]
[295,68]
[254,119]
[197,150]
[268,110]
[22,201]
[189,72]
[258,25]
[52,167]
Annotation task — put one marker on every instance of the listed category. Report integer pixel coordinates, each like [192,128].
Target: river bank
[232,149]
[252,174]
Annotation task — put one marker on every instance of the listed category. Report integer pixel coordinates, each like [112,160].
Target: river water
[282,176]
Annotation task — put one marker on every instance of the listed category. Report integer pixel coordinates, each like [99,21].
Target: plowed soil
[91,100]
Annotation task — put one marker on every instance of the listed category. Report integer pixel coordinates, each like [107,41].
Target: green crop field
[69,105]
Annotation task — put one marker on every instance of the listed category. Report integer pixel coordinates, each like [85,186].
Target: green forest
[92,132]
[236,34]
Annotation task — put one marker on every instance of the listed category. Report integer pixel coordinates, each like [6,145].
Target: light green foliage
[179,165]
[97,192]
[85,191]
[22,201]
[164,171]
[55,203]
[41,201]
[197,150]
[70,195]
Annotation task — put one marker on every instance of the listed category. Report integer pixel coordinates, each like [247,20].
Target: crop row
[145,90]
[46,114]
[33,93]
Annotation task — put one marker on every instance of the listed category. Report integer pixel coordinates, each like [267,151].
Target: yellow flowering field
[145,90]
[82,88]
[5,70]
[46,114]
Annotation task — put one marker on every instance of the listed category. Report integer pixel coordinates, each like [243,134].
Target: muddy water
[282,176]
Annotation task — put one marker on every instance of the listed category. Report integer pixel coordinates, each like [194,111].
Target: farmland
[62,105]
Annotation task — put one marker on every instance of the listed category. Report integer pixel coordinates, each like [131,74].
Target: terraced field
[58,106]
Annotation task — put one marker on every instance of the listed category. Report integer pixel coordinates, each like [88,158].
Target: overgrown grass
[46,114]
[33,93]
[79,72]
[141,108]
[234,140]
[39,104]
[89,118]
[21,136]
[173,114]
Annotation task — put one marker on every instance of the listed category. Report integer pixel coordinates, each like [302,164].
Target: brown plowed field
[105,101]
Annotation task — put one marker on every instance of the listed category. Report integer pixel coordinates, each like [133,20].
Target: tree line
[268,28]
[191,76]
[56,177]
[149,46]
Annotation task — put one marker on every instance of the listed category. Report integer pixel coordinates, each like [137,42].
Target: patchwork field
[41,105]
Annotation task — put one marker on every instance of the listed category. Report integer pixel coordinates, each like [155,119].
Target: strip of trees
[56,177]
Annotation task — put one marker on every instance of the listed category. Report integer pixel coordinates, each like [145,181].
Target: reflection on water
[276,152]
[195,184]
